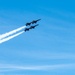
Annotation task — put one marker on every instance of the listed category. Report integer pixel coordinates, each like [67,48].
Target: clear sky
[49,49]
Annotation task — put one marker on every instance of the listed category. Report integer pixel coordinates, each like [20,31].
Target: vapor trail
[10,37]
[11,32]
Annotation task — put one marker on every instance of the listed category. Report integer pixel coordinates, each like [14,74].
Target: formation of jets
[31,26]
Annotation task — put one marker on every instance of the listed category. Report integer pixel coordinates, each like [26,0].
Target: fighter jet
[35,21]
[32,27]
[28,24]
[26,29]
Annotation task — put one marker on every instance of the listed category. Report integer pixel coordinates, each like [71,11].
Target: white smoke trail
[10,37]
[11,32]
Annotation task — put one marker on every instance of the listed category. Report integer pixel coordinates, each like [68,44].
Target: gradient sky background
[49,49]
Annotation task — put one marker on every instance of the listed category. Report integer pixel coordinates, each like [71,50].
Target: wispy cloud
[38,54]
[43,67]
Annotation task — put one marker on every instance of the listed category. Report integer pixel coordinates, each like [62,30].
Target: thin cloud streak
[10,37]
[45,55]
[11,32]
[44,67]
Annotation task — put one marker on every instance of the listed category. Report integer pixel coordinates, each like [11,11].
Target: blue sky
[49,49]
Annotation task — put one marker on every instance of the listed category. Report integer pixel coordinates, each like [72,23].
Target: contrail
[11,32]
[10,37]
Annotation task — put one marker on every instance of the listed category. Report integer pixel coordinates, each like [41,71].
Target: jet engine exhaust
[10,37]
[11,32]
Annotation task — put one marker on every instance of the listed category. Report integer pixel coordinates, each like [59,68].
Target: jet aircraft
[28,24]
[32,27]
[35,21]
[26,29]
